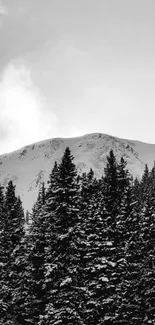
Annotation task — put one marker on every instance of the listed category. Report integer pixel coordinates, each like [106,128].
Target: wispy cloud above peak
[23,110]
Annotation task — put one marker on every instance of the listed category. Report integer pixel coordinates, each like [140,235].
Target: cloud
[3,9]
[24,113]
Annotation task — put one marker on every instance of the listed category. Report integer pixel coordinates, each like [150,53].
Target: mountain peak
[30,165]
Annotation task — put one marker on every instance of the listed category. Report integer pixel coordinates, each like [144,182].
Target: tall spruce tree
[12,234]
[111,193]
[147,247]
[61,277]
[95,265]
[15,218]
[3,285]
[36,258]
[137,194]
[133,301]
[52,182]
[124,179]
[127,308]
[22,300]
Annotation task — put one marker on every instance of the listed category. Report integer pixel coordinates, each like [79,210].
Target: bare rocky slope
[30,165]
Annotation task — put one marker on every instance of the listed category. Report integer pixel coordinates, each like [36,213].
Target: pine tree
[100,242]
[40,201]
[131,306]
[95,264]
[122,227]
[3,285]
[53,178]
[21,216]
[14,220]
[145,178]
[152,175]
[147,282]
[12,234]
[62,255]
[36,259]
[137,194]
[125,268]
[22,300]
[89,186]
[144,186]
[111,193]
[124,179]
[87,227]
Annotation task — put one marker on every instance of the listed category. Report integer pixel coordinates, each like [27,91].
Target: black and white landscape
[77,162]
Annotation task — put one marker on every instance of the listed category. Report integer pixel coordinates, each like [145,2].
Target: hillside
[29,166]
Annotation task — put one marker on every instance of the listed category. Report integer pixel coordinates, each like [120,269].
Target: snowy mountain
[30,165]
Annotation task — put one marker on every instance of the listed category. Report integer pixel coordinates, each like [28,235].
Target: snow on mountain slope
[29,166]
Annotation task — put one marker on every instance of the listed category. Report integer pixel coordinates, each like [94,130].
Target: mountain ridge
[31,164]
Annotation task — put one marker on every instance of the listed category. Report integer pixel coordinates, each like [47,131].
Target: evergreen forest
[88,255]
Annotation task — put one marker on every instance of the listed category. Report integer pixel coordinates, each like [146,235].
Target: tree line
[88,257]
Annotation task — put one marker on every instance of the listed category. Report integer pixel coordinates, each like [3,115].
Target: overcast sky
[71,67]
